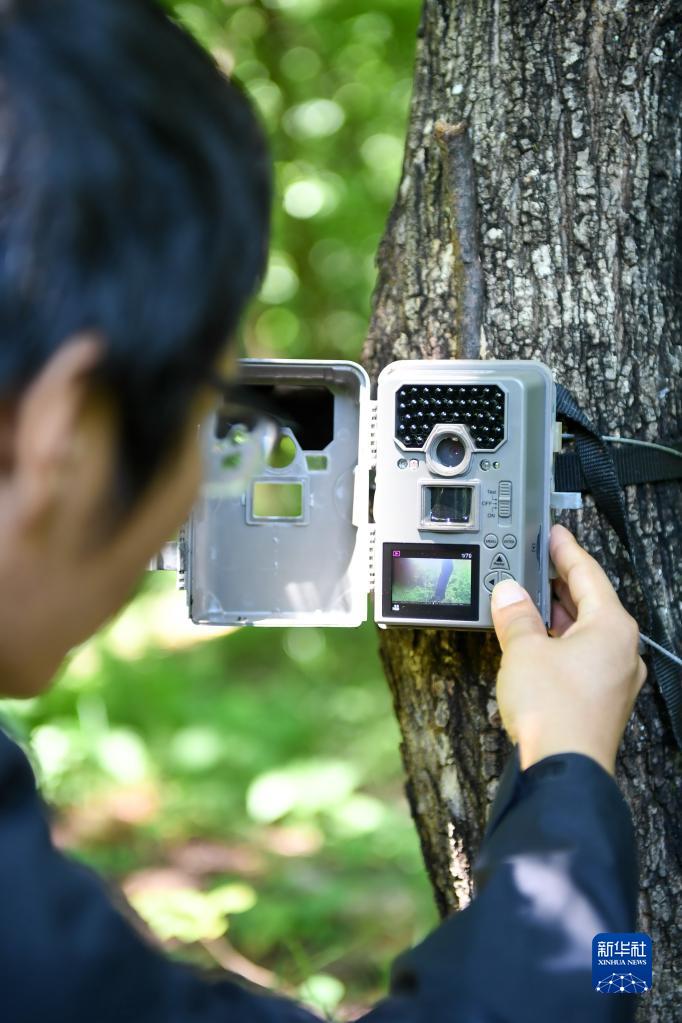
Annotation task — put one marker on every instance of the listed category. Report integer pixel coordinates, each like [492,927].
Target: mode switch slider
[504,495]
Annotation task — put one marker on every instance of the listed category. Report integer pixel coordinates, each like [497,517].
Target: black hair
[134,201]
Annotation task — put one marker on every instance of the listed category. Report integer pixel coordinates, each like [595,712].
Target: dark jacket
[557,865]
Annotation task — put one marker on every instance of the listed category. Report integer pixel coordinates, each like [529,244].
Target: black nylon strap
[633,465]
[598,475]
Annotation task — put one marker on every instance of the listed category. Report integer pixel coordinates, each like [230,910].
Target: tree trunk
[573,109]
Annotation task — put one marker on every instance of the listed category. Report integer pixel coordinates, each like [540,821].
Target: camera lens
[450,452]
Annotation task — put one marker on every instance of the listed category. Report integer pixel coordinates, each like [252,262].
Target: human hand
[572,691]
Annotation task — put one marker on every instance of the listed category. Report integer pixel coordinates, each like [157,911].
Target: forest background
[245,790]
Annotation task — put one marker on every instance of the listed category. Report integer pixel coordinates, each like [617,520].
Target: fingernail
[508,592]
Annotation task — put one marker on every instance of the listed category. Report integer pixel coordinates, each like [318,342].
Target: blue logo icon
[621,964]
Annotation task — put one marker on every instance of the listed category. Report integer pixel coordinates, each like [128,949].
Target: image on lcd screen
[431,581]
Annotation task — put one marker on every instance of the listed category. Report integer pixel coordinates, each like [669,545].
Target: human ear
[47,420]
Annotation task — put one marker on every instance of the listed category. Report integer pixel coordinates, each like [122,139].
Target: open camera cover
[292,548]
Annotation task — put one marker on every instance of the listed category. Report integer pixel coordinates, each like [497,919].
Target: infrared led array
[420,407]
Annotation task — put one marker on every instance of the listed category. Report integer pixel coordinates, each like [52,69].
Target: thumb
[515,616]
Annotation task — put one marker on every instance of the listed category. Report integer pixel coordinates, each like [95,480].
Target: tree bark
[565,214]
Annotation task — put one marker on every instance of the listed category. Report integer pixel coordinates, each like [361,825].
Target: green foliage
[332,81]
[190,915]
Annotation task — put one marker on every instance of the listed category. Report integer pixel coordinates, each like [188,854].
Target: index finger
[587,581]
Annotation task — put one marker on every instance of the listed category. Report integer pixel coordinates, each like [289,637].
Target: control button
[509,541]
[500,561]
[506,575]
[490,580]
[490,540]
[504,496]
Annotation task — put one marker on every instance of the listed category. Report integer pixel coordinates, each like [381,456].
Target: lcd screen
[431,581]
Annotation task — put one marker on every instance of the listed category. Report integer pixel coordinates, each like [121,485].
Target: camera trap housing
[462,454]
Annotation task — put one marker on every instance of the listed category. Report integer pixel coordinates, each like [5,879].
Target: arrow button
[490,580]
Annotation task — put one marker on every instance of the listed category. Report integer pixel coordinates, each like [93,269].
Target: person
[134,196]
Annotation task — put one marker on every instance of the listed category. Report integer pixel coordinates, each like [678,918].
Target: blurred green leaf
[303,787]
[322,992]
[123,755]
[233,898]
[181,913]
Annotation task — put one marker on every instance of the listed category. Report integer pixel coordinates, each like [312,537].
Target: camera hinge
[182,557]
[373,413]
[372,540]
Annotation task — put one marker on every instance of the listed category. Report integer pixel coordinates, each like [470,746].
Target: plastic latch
[167,560]
[557,438]
[564,500]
